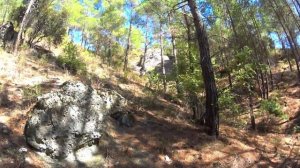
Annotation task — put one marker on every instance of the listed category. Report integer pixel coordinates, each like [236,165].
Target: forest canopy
[222,50]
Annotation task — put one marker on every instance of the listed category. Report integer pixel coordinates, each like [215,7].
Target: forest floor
[163,134]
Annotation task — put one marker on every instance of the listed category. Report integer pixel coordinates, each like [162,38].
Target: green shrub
[272,107]
[153,79]
[227,102]
[70,60]
[33,92]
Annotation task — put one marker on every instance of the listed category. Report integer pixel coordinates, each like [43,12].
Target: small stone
[28,160]
[21,150]
[167,159]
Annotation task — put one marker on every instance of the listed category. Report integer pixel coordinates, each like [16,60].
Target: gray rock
[153,62]
[65,121]
[8,35]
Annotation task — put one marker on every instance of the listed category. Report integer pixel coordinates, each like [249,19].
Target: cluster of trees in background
[210,40]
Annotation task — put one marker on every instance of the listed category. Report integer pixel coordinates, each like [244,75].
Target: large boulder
[64,121]
[153,62]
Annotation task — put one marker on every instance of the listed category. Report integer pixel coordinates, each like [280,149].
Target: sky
[77,34]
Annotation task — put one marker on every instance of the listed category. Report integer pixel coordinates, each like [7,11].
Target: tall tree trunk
[23,24]
[128,46]
[289,37]
[226,61]
[109,52]
[82,37]
[271,74]
[298,3]
[162,58]
[262,84]
[284,51]
[265,60]
[260,92]
[267,85]
[189,40]
[212,110]
[192,96]
[232,24]
[292,14]
[258,58]
[174,52]
[236,37]
[296,7]
[252,117]
[143,61]
[224,64]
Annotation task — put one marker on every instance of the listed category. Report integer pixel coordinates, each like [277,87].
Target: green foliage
[137,38]
[50,24]
[70,59]
[43,22]
[245,74]
[7,7]
[272,107]
[228,104]
[17,14]
[153,79]
[33,92]
[192,82]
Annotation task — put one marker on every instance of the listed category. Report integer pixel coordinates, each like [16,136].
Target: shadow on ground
[11,145]
[161,132]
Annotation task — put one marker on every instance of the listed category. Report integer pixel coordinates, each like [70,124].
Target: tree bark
[82,37]
[174,52]
[266,59]
[298,3]
[212,110]
[289,37]
[232,24]
[225,61]
[128,46]
[296,7]
[109,59]
[189,36]
[23,24]
[252,117]
[284,52]
[292,14]
[162,58]
[143,60]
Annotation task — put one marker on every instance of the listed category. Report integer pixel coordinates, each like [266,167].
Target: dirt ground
[162,136]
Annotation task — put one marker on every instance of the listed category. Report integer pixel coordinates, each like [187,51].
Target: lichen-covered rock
[64,121]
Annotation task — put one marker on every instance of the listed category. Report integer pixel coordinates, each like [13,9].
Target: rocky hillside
[162,135]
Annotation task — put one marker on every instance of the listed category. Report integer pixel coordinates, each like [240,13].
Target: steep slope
[162,136]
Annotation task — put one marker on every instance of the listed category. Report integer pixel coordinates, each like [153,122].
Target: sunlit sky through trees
[204,7]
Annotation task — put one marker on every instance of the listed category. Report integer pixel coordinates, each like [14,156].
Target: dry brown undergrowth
[158,139]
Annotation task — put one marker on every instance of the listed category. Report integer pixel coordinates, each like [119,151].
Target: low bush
[227,103]
[272,107]
[70,60]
